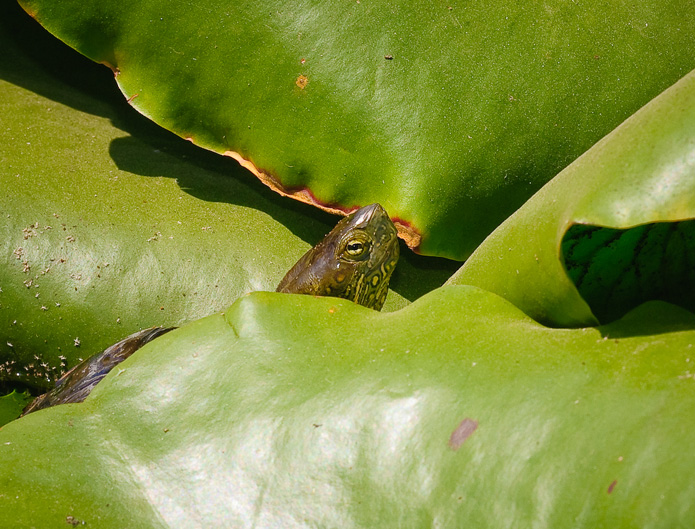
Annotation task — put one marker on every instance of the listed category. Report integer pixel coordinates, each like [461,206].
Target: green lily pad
[110,224]
[291,410]
[449,114]
[611,231]
[615,270]
[11,405]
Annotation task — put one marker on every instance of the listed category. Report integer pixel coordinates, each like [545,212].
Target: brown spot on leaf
[130,99]
[462,432]
[612,486]
[302,81]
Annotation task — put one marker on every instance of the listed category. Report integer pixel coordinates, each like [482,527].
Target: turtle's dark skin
[354,261]
[78,383]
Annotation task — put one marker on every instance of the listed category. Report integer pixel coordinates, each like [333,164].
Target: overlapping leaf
[449,114]
[298,411]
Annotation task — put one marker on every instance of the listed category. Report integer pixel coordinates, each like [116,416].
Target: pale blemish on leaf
[462,432]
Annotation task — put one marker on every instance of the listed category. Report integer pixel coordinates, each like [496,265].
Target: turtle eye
[356,249]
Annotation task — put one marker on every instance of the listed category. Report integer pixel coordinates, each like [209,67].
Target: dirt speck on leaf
[71,520]
[30,231]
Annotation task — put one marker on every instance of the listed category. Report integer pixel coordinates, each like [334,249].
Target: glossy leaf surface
[449,114]
[294,411]
[458,410]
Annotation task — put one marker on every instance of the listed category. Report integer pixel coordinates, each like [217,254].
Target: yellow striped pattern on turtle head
[354,261]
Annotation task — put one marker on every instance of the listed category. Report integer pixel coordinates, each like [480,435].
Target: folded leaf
[609,232]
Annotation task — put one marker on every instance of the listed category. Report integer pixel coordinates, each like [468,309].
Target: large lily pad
[297,411]
[617,219]
[449,114]
[109,223]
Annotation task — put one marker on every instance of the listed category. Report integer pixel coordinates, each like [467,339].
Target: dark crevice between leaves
[9,386]
[615,270]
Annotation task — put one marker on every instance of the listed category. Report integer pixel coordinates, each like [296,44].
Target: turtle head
[354,261]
